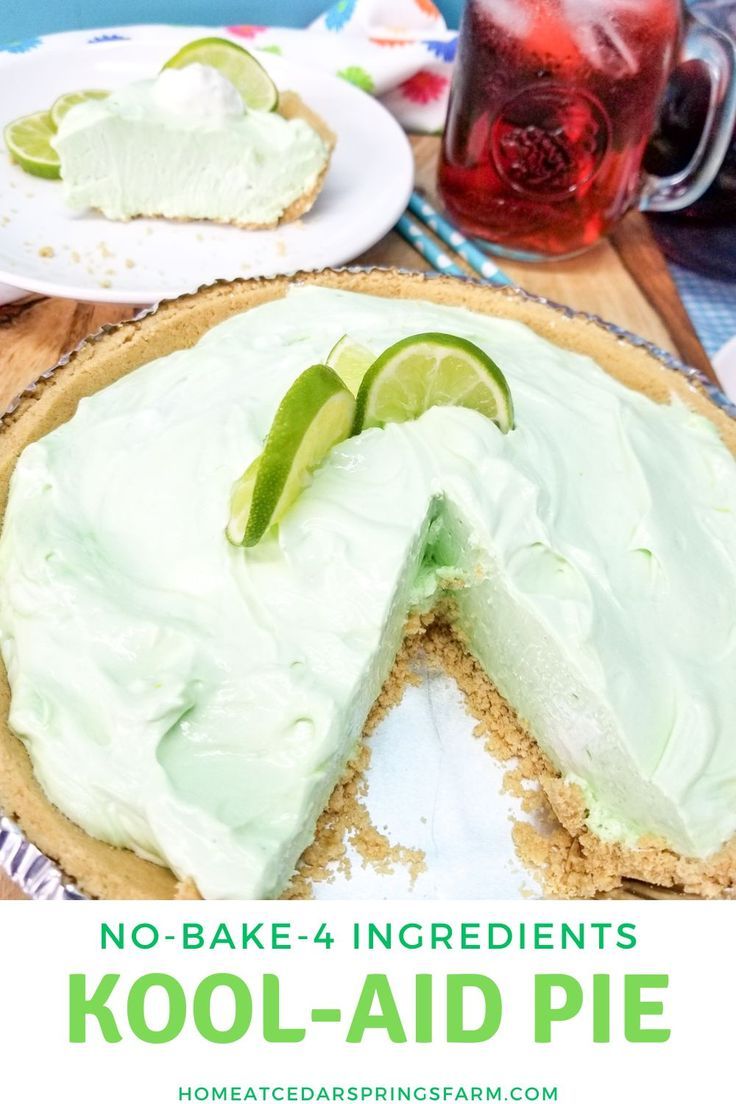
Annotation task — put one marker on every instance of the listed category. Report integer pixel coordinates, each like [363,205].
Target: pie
[184,146]
[180,709]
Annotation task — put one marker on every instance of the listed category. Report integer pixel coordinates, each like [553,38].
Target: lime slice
[241,69]
[432,369]
[351,361]
[29,142]
[60,107]
[315,414]
[240,501]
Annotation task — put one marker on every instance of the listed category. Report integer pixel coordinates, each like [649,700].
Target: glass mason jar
[552,105]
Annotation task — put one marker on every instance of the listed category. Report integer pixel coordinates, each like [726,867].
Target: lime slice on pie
[240,502]
[432,369]
[64,103]
[241,69]
[315,414]
[29,141]
[318,411]
[351,361]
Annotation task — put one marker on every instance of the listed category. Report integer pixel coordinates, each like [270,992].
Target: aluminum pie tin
[30,869]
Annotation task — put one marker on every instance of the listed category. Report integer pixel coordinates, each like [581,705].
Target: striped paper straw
[450,235]
[428,248]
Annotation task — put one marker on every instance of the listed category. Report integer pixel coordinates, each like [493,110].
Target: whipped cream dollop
[197,92]
[197,702]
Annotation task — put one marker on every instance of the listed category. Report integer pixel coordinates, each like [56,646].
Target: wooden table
[624,280]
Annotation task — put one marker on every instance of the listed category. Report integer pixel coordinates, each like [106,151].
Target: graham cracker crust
[569,860]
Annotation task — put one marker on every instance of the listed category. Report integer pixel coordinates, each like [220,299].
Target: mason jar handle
[718,53]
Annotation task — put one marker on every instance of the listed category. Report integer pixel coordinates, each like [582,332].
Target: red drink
[552,104]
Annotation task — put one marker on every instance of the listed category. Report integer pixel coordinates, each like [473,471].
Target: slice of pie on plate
[184,146]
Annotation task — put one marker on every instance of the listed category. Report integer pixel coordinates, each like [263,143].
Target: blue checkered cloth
[711,305]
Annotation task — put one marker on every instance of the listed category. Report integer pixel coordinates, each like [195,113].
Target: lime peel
[351,361]
[318,411]
[240,502]
[245,72]
[315,414]
[432,369]
[29,143]
[68,100]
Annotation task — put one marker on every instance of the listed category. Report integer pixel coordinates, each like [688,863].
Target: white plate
[724,363]
[45,248]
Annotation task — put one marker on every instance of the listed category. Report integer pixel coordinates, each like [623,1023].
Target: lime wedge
[432,369]
[60,107]
[241,69]
[240,502]
[29,142]
[351,361]
[315,414]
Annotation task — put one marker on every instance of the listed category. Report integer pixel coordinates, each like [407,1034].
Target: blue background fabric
[25,18]
[710,303]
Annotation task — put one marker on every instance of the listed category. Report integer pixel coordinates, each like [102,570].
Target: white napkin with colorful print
[399,50]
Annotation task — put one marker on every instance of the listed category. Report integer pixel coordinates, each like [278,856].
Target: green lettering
[144,936]
[251,935]
[376,986]
[457,1032]
[469,937]
[545,1014]
[375,935]
[222,935]
[202,1008]
[627,936]
[601,1008]
[106,933]
[137,1008]
[506,936]
[273,1032]
[601,927]
[324,936]
[192,937]
[423,1002]
[570,936]
[635,1008]
[280,936]
[441,936]
[543,936]
[81,1006]
[413,943]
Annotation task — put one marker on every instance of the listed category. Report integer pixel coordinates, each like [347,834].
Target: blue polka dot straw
[427,247]
[480,262]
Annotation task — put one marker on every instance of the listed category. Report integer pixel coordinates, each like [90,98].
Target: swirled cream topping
[197,92]
[197,702]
